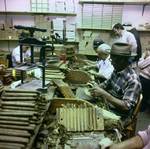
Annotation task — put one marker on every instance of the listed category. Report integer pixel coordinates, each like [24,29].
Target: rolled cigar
[14,118]
[9,147]
[19,98]
[14,123]
[24,104]
[13,132]
[13,139]
[13,144]
[15,114]
[20,108]
[11,94]
[21,111]
[18,127]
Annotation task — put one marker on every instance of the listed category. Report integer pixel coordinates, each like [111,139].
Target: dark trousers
[145,91]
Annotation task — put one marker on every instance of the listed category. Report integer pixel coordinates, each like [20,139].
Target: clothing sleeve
[107,73]
[145,136]
[107,82]
[132,41]
[131,93]
[28,54]
[144,62]
[16,54]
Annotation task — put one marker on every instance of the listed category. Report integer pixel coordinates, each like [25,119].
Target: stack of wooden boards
[53,74]
[20,115]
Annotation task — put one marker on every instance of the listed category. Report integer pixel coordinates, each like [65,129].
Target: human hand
[106,143]
[97,91]
[144,55]
[93,83]
[92,72]
[2,67]
[85,67]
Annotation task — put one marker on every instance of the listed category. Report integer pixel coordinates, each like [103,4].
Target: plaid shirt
[126,83]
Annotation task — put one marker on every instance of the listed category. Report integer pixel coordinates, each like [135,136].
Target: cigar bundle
[20,114]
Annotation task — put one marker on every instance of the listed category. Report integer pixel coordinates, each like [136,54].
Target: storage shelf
[107,29]
[4,39]
[87,28]
[38,13]
[116,2]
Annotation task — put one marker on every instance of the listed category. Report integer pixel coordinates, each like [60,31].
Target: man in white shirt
[126,37]
[104,65]
[16,54]
[16,51]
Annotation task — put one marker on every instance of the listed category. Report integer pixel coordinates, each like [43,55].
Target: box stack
[145,41]
[60,5]
[104,35]
[70,31]
[97,15]
[58,26]
[82,45]
[87,37]
[7,31]
[107,14]
[1,26]
[42,22]
[95,35]
[86,16]
[117,14]
[69,6]
[40,5]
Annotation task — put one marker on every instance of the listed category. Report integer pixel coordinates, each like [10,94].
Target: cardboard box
[8,23]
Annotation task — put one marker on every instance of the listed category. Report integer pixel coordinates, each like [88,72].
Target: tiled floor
[143,120]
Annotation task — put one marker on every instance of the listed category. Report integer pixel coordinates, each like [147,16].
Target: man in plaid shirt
[122,89]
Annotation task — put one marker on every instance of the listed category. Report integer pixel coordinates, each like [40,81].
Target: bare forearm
[116,102]
[100,75]
[133,143]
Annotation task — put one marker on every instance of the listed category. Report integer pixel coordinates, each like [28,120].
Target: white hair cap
[103,47]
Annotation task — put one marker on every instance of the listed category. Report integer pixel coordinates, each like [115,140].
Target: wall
[131,13]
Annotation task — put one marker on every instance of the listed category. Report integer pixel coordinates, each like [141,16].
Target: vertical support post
[21,62]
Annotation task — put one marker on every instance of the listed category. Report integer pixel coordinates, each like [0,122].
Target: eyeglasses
[114,61]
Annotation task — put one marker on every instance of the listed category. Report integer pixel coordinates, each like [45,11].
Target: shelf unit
[38,13]
[116,2]
[112,2]
[106,29]
[48,41]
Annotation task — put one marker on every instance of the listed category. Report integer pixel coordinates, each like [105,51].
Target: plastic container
[63,58]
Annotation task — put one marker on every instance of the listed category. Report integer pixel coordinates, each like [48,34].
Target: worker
[144,65]
[122,89]
[96,43]
[16,51]
[104,65]
[124,36]
[142,140]
[2,67]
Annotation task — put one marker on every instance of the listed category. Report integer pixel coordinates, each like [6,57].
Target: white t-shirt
[16,55]
[105,67]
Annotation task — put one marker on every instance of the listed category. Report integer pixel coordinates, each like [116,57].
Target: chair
[6,64]
[130,129]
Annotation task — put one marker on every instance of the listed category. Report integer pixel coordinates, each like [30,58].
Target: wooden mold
[64,88]
[81,119]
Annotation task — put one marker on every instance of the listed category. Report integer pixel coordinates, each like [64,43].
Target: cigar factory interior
[74,74]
